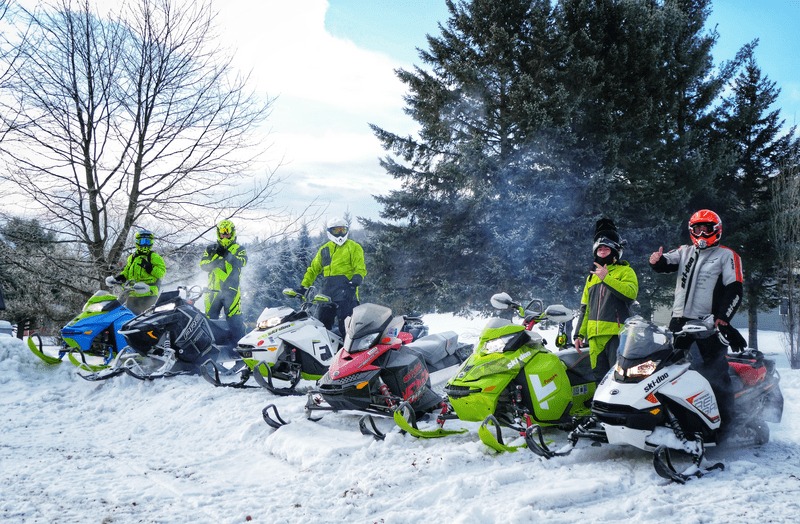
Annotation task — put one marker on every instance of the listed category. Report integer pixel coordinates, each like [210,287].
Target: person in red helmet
[709,287]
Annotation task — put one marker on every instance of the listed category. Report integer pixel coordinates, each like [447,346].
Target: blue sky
[331,65]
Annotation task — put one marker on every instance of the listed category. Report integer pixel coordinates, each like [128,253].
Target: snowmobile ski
[664,468]
[490,434]
[38,351]
[266,382]
[276,422]
[240,369]
[406,420]
[409,425]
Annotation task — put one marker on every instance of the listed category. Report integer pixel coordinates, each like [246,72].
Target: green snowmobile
[512,380]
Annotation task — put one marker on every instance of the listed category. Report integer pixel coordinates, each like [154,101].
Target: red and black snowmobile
[379,368]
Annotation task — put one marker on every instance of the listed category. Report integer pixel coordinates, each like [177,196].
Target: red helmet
[705,227]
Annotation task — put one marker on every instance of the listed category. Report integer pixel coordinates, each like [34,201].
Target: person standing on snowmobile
[146,266]
[709,286]
[341,262]
[224,262]
[608,294]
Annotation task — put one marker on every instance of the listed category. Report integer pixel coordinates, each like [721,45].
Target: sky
[179,450]
[330,64]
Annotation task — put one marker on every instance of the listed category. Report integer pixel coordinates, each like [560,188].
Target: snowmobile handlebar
[555,312]
[128,285]
[192,293]
[311,296]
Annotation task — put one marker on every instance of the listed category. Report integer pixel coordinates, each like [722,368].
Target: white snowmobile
[291,345]
[655,401]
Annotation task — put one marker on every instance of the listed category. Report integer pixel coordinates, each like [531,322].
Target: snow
[180,450]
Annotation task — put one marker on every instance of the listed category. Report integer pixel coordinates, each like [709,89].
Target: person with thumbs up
[709,287]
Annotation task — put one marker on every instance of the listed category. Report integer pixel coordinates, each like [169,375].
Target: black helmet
[605,234]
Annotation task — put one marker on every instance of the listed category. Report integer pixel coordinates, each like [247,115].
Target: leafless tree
[786,235]
[131,118]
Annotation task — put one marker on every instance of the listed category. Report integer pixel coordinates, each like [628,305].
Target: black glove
[302,290]
[146,265]
[221,250]
[120,278]
[356,280]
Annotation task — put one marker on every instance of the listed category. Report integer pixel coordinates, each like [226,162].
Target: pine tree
[491,111]
[762,146]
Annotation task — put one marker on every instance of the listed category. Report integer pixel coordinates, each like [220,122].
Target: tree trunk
[752,327]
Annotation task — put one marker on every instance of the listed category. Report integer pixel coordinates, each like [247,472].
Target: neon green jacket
[606,303]
[331,260]
[134,271]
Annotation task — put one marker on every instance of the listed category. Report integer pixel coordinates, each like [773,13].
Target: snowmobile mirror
[559,313]
[501,301]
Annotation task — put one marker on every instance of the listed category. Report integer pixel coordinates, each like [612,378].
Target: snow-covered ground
[180,450]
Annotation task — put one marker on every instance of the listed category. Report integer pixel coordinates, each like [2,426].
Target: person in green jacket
[341,262]
[610,290]
[146,266]
[224,261]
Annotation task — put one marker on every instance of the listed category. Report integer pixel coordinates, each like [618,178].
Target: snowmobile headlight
[269,322]
[97,307]
[365,342]
[644,369]
[164,307]
[497,345]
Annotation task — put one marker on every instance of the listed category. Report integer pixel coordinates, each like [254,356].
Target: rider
[341,262]
[146,266]
[709,285]
[610,290]
[224,261]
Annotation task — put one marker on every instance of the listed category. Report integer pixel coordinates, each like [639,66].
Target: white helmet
[338,231]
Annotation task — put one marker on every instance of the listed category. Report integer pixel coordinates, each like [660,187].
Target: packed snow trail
[178,450]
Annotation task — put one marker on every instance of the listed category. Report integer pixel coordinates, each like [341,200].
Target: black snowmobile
[173,337]
[380,369]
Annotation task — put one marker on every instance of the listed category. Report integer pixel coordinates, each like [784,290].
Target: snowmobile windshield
[99,302]
[641,340]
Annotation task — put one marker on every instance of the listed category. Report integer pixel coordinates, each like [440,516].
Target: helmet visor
[338,231]
[144,242]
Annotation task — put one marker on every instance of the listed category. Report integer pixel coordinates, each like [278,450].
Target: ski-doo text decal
[656,381]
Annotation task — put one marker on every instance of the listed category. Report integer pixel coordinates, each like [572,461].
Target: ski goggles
[144,242]
[703,228]
[338,231]
[225,233]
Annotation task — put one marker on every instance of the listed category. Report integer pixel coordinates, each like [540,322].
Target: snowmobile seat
[750,373]
[437,350]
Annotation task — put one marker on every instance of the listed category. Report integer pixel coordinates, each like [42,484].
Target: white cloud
[328,91]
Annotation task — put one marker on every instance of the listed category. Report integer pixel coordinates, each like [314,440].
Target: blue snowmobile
[92,340]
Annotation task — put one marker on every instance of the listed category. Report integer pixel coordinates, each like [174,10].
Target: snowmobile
[92,340]
[512,380]
[292,345]
[380,367]
[654,400]
[171,338]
